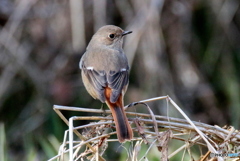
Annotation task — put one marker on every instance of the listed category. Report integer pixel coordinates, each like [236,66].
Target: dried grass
[150,129]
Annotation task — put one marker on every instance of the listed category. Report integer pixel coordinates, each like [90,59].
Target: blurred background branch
[186,49]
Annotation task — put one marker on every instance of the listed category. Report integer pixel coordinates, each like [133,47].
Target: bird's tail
[124,130]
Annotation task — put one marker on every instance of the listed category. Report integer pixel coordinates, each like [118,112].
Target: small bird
[104,68]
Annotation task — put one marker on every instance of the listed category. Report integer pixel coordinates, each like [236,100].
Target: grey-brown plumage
[105,74]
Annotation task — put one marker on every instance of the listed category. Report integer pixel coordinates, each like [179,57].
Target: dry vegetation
[186,49]
[158,133]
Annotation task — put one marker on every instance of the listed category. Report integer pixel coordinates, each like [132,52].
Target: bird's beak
[126,32]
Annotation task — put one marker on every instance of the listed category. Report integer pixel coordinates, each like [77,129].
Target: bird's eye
[111,36]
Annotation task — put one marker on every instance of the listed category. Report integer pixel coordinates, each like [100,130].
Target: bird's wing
[117,81]
[97,79]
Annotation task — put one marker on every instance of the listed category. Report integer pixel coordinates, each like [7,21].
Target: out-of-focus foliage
[187,49]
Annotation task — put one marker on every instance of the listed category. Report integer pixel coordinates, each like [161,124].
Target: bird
[105,74]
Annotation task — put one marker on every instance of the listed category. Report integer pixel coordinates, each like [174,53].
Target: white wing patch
[123,69]
[89,68]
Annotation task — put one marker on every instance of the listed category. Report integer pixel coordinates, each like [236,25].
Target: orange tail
[124,130]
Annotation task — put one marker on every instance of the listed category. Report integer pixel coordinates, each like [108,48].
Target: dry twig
[206,136]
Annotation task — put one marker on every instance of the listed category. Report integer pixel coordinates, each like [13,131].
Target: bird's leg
[104,111]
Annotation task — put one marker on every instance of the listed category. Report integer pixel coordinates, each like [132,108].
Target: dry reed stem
[214,137]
